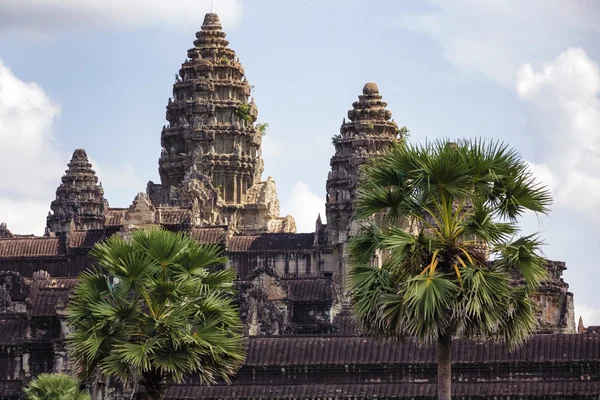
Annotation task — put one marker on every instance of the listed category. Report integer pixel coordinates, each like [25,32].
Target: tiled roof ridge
[334,350]
[277,234]
[558,389]
[30,238]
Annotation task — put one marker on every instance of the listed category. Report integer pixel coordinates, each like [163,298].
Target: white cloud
[24,216]
[30,163]
[120,183]
[304,206]
[45,17]
[495,37]
[271,148]
[590,315]
[563,113]
[26,141]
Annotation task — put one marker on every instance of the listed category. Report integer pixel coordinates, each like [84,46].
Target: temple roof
[52,246]
[309,290]
[209,235]
[353,350]
[30,247]
[311,368]
[414,391]
[271,242]
[86,239]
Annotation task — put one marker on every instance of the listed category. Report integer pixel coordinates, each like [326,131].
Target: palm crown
[441,210]
[157,310]
[55,387]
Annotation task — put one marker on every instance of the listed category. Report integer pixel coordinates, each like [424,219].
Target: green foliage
[224,60]
[403,134]
[243,111]
[177,78]
[160,307]
[447,208]
[262,128]
[53,387]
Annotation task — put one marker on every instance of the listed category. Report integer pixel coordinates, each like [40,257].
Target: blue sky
[97,75]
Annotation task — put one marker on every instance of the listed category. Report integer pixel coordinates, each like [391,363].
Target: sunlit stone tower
[369,132]
[211,148]
[79,198]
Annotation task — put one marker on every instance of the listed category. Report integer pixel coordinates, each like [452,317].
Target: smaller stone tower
[5,233]
[369,132]
[79,198]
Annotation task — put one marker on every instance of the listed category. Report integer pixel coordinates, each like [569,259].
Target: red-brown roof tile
[46,302]
[212,235]
[57,283]
[309,289]
[272,242]
[332,350]
[421,391]
[175,216]
[30,247]
[86,239]
[114,217]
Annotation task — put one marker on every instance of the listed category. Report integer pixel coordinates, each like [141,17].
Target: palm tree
[55,387]
[160,308]
[432,216]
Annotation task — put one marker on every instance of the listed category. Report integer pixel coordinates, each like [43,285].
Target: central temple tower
[211,148]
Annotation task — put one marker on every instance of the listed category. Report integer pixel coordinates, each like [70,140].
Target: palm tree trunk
[444,366]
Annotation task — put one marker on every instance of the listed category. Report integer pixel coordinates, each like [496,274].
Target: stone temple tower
[211,148]
[369,132]
[79,198]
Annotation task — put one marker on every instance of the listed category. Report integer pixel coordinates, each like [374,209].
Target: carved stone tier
[211,148]
[369,132]
[211,122]
[79,198]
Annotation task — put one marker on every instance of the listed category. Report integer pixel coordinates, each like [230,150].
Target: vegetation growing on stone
[243,111]
[262,128]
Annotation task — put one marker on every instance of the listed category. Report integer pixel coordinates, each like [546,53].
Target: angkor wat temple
[302,343]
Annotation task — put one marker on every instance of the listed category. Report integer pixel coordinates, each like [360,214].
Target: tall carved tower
[79,198]
[211,148]
[370,131]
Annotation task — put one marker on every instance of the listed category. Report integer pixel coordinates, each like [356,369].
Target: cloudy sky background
[96,74]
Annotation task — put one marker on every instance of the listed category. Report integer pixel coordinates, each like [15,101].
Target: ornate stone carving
[5,233]
[368,132]
[79,198]
[141,213]
[260,315]
[211,128]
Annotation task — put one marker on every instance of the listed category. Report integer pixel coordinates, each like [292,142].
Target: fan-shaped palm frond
[161,308]
[445,208]
[55,387]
